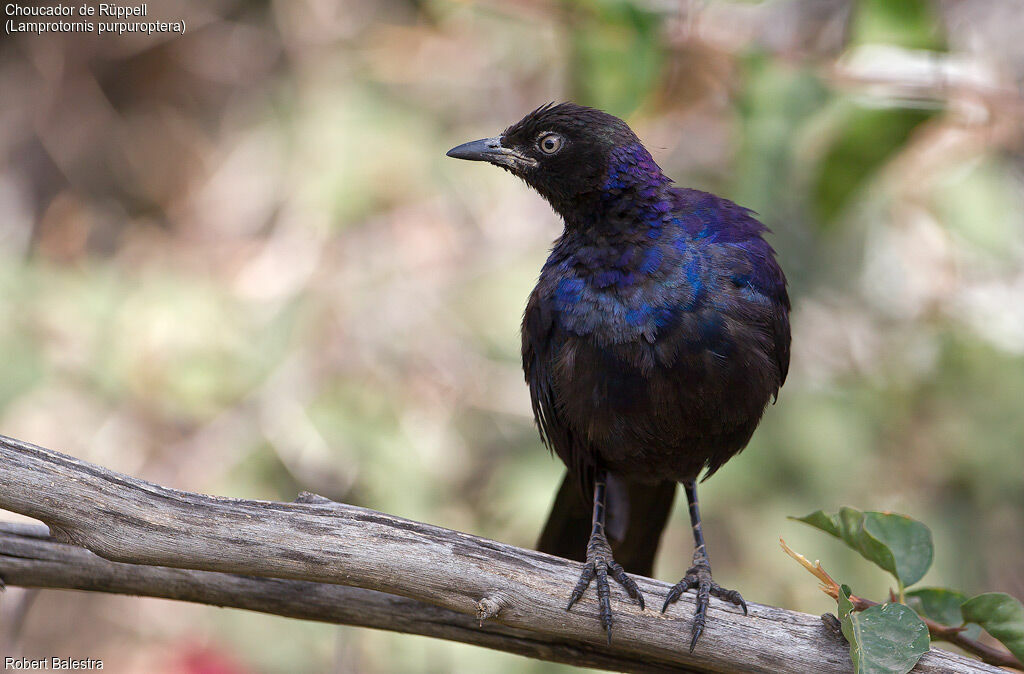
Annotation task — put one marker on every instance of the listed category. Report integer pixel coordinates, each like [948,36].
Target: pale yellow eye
[549,143]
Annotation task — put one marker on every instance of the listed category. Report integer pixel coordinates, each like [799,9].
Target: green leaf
[821,520]
[884,639]
[900,545]
[1001,615]
[941,605]
[845,605]
[907,540]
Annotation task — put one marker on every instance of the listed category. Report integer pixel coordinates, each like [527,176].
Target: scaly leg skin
[698,576]
[600,564]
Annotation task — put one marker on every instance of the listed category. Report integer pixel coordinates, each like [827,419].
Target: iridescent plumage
[656,335]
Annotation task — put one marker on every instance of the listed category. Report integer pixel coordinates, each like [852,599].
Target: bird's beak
[491,150]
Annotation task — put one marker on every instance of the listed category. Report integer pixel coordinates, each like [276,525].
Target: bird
[655,338]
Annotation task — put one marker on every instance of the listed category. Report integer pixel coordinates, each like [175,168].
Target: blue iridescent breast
[620,294]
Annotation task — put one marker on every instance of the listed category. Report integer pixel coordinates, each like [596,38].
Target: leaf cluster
[891,637]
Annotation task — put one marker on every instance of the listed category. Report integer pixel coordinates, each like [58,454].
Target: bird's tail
[637,514]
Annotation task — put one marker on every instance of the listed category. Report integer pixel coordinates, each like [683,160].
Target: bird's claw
[699,577]
[600,564]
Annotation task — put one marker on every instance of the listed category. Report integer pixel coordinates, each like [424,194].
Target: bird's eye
[549,143]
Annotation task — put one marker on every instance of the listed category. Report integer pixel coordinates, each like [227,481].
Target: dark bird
[656,336]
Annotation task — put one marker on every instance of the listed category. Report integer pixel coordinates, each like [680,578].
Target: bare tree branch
[305,546]
[30,558]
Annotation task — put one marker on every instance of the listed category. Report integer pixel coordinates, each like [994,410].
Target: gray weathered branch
[30,558]
[302,550]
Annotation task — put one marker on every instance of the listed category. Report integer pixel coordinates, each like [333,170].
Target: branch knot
[491,605]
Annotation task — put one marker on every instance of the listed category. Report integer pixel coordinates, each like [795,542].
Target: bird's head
[566,152]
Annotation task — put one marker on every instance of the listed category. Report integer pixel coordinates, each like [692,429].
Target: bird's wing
[540,344]
[782,336]
[754,272]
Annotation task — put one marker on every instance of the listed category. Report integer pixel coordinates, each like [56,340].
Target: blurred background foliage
[238,262]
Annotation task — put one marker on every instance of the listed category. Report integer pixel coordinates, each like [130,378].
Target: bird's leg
[699,575]
[600,563]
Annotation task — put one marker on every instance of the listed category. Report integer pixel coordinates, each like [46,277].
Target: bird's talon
[731,596]
[699,577]
[581,585]
[598,567]
[628,584]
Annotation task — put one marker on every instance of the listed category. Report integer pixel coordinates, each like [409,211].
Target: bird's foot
[699,577]
[600,564]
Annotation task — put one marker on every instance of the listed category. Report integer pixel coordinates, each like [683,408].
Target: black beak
[485,149]
[491,150]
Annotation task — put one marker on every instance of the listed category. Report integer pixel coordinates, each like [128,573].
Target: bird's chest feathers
[616,294]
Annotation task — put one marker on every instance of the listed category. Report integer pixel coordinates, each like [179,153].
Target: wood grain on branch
[30,558]
[300,550]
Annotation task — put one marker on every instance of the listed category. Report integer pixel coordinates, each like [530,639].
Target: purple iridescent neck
[632,167]
[635,185]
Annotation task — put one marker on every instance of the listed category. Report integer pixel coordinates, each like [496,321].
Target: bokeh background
[238,262]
